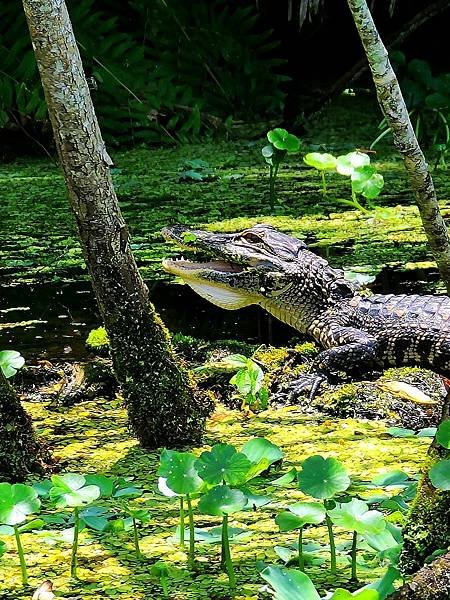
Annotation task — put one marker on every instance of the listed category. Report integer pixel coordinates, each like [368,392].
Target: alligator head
[259,265]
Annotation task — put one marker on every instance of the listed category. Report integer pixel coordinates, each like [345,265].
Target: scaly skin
[358,333]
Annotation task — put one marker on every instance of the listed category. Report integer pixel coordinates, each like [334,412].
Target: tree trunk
[432,582]
[428,525]
[162,406]
[20,452]
[394,109]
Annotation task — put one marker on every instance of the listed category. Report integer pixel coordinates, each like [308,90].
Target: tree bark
[20,452]
[432,582]
[162,405]
[394,109]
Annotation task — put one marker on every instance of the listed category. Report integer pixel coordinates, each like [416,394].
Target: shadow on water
[52,320]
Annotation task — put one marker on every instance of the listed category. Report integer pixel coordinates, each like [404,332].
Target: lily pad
[222,463]
[17,501]
[300,514]
[71,490]
[320,161]
[289,584]
[283,140]
[179,470]
[440,475]
[323,477]
[443,434]
[222,500]
[356,516]
[10,362]
[347,163]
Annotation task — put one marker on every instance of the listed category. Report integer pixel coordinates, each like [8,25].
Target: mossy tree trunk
[395,111]
[20,452]
[162,406]
[432,582]
[428,525]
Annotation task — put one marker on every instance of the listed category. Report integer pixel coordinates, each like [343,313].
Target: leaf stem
[227,553]
[23,566]
[272,176]
[182,544]
[136,540]
[191,557]
[354,576]
[324,183]
[76,531]
[329,524]
[301,559]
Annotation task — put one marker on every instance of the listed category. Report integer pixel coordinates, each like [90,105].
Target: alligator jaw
[200,277]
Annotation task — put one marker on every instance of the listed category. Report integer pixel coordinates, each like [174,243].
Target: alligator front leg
[352,352]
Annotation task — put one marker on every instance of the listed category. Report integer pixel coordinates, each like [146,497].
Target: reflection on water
[52,320]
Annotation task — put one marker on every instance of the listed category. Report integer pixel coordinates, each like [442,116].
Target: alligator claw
[305,384]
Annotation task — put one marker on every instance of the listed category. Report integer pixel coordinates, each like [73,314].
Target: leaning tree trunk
[394,109]
[20,452]
[162,406]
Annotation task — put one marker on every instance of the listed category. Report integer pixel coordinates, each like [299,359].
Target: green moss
[45,244]
[98,341]
[428,525]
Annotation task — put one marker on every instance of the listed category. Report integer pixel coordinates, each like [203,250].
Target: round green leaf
[300,514]
[223,463]
[71,490]
[320,161]
[105,484]
[260,449]
[179,469]
[443,434]
[347,163]
[366,182]
[3,548]
[323,477]
[309,512]
[10,362]
[395,477]
[222,500]
[282,140]
[267,151]
[289,584]
[440,475]
[356,516]
[17,501]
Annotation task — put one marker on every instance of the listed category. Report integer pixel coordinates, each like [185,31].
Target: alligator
[358,333]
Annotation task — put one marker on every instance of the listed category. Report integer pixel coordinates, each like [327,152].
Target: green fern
[183,65]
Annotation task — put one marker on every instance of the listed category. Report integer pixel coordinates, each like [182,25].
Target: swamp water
[52,320]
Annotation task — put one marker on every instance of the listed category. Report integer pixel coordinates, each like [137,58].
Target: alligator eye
[252,237]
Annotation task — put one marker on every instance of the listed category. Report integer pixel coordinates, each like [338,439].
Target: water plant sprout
[70,491]
[322,162]
[323,478]
[222,501]
[181,478]
[355,516]
[296,517]
[364,178]
[17,501]
[281,143]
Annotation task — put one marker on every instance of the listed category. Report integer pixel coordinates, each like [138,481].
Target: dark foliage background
[169,70]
